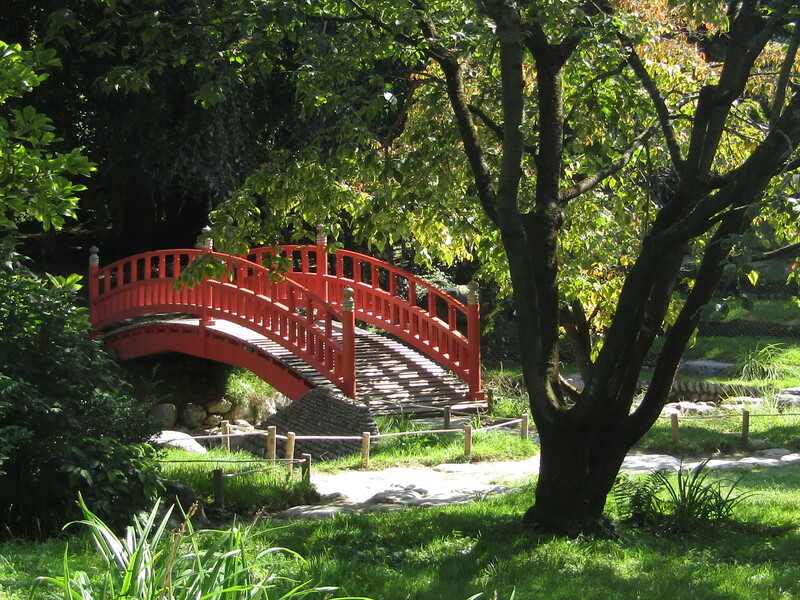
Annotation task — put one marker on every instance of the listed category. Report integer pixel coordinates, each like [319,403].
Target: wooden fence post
[226,435]
[467,440]
[447,415]
[290,449]
[272,440]
[745,427]
[676,433]
[524,427]
[219,489]
[365,441]
[306,467]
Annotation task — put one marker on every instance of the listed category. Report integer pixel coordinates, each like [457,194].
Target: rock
[315,511]
[407,495]
[178,439]
[696,408]
[791,459]
[243,423]
[703,367]
[219,407]
[794,391]
[785,400]
[772,453]
[213,420]
[182,498]
[640,463]
[755,461]
[193,415]
[721,463]
[166,415]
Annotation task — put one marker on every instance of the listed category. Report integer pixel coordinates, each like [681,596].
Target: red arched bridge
[295,326]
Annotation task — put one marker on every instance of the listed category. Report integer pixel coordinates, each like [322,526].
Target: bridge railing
[389,297]
[253,296]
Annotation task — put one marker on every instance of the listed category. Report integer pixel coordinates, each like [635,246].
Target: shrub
[679,503]
[66,421]
[150,563]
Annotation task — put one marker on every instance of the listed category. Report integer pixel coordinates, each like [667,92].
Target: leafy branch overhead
[37,183]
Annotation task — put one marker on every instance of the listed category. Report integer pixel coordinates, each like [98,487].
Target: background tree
[558,120]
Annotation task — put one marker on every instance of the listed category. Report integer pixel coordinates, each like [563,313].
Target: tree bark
[578,468]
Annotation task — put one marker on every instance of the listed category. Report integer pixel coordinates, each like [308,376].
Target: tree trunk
[577,471]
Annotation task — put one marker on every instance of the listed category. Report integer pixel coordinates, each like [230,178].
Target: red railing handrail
[387,297]
[277,307]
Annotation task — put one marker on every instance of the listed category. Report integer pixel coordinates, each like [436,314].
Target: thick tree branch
[709,274]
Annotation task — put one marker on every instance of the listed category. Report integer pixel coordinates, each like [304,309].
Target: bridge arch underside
[148,339]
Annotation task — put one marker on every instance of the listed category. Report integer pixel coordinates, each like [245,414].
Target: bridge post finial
[322,238]
[209,241]
[94,257]
[472,293]
[348,304]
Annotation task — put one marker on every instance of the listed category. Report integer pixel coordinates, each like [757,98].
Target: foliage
[765,363]
[36,181]
[66,421]
[250,493]
[243,387]
[679,503]
[149,562]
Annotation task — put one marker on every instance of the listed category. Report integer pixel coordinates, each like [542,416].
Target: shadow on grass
[459,551]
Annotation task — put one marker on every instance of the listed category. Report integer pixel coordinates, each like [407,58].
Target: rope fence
[227,431]
[675,419]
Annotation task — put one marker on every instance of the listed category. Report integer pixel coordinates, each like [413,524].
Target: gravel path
[401,487]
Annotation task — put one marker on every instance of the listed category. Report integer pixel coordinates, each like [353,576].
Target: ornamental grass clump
[679,502]
[151,562]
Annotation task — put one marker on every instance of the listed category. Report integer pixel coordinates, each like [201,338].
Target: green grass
[480,548]
[247,494]
[701,436]
[434,449]
[454,552]
[762,311]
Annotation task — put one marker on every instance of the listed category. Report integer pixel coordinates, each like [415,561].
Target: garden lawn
[455,552]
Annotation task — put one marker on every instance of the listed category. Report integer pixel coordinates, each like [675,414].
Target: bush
[66,421]
[676,504]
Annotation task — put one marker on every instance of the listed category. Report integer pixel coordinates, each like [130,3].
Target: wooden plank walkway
[391,378]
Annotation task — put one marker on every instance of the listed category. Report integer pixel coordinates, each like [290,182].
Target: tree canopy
[589,157]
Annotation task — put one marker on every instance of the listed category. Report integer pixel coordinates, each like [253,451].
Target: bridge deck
[391,378]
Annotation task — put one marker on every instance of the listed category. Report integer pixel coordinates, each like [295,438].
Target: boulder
[166,415]
[178,439]
[193,415]
[703,367]
[213,420]
[183,500]
[220,407]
